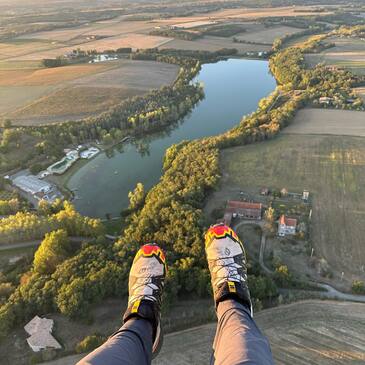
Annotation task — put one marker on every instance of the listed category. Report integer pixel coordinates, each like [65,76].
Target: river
[232,89]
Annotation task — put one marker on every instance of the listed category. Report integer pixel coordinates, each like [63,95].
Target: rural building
[287,226]
[305,196]
[31,184]
[244,209]
[40,331]
[265,191]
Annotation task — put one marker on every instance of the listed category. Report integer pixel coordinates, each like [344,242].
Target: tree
[7,123]
[358,287]
[53,250]
[136,197]
[269,226]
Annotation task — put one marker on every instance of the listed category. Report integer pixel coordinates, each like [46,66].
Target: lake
[232,89]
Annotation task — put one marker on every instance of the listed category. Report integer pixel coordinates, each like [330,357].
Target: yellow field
[267,35]
[75,92]
[49,76]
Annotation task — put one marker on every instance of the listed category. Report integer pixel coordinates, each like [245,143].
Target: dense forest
[170,214]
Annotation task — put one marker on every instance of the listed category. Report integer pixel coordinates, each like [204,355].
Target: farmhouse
[287,226]
[40,331]
[244,209]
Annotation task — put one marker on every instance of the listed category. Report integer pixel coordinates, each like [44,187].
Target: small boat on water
[115,172]
[125,139]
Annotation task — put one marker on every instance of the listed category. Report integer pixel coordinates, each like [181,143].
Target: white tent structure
[40,331]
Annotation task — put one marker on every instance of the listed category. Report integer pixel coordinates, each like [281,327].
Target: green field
[332,168]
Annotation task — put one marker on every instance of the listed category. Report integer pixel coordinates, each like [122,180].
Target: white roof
[39,324]
[42,340]
[31,184]
[40,330]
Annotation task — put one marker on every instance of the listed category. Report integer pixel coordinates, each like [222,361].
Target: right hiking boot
[146,282]
[227,264]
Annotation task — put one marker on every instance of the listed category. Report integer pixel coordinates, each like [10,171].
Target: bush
[89,343]
[358,287]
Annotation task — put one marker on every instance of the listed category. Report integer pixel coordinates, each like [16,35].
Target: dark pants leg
[131,345]
[238,341]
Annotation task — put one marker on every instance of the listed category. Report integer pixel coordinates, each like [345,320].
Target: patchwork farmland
[331,167]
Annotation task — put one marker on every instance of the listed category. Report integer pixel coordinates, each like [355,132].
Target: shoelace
[227,269]
[142,284]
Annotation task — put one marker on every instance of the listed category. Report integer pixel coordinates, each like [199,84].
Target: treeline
[9,206]
[170,214]
[27,226]
[174,33]
[279,43]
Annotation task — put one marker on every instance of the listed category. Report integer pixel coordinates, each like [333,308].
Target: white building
[31,184]
[89,153]
[287,226]
[40,331]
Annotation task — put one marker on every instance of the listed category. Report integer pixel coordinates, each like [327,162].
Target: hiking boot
[227,264]
[146,281]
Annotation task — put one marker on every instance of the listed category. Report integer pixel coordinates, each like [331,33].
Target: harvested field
[141,75]
[49,76]
[332,168]
[303,333]
[212,44]
[133,40]
[328,121]
[71,103]
[255,13]
[86,90]
[21,48]
[17,96]
[267,35]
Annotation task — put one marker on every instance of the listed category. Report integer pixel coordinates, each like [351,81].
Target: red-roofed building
[287,226]
[244,209]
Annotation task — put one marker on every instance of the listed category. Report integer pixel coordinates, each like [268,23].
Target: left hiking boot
[227,264]
[146,282]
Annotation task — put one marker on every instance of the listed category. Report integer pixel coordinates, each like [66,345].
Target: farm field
[321,332]
[86,89]
[332,167]
[328,121]
[267,35]
[348,53]
[212,44]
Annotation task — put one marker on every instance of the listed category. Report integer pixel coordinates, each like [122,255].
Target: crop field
[255,13]
[319,333]
[328,121]
[267,35]
[50,76]
[332,168]
[348,53]
[212,44]
[86,89]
